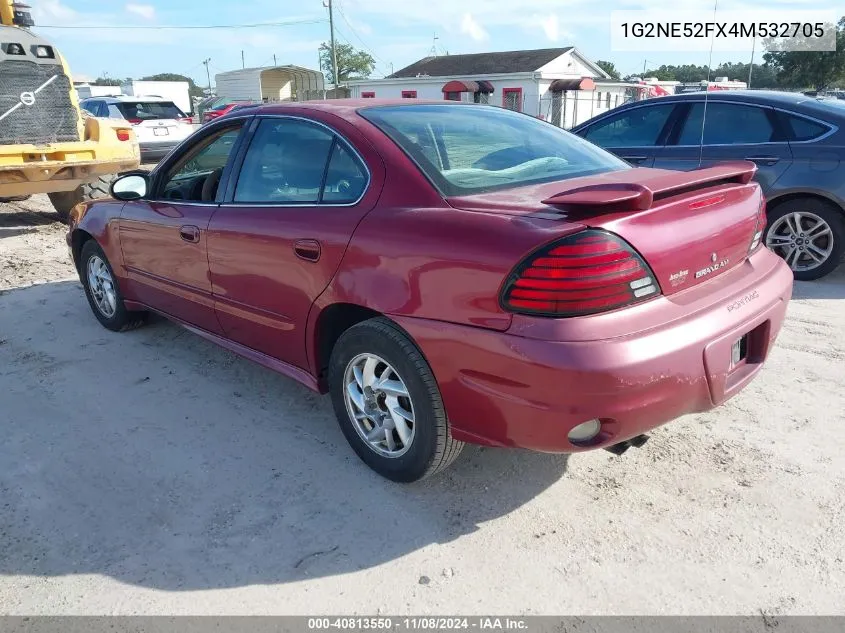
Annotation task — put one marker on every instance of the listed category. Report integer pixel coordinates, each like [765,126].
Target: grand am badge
[713,267]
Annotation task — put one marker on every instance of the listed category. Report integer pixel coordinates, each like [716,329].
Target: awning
[461,86]
[485,86]
[584,83]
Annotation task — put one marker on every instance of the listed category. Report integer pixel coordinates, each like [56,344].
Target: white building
[176,91]
[559,85]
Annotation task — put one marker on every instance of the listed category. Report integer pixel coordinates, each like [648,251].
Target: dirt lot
[151,472]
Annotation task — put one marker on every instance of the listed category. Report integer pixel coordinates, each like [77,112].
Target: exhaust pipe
[621,447]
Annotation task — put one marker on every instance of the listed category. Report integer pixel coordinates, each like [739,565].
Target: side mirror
[132,186]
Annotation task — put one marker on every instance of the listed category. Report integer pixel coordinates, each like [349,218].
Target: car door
[276,242]
[164,237]
[636,134]
[732,131]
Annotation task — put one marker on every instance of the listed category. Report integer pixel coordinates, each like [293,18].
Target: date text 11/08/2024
[417,623]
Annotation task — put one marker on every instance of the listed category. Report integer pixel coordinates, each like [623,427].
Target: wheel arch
[776,201]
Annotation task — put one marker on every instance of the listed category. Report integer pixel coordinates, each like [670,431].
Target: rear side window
[804,129]
[638,127]
[727,124]
[345,178]
[149,110]
[285,163]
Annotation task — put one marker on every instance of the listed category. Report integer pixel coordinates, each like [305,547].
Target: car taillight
[760,227]
[134,121]
[123,134]
[185,120]
[585,273]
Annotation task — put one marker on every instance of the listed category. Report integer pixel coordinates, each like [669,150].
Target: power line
[256,25]
[358,37]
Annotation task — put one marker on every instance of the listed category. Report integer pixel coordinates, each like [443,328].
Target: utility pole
[751,65]
[328,4]
[274,59]
[243,63]
[207,73]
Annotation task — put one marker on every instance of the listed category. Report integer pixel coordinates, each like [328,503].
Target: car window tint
[201,162]
[90,106]
[727,124]
[805,129]
[285,163]
[150,110]
[638,127]
[345,178]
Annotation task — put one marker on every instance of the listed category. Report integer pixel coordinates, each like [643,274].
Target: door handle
[635,159]
[308,250]
[763,160]
[189,233]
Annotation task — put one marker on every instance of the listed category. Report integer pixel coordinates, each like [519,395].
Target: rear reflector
[585,273]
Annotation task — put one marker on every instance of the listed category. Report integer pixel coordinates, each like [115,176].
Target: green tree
[108,81]
[193,89]
[351,63]
[810,69]
[609,68]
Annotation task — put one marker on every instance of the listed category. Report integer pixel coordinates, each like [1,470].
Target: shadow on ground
[160,460]
[830,287]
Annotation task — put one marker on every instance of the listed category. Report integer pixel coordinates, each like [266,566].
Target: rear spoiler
[632,196]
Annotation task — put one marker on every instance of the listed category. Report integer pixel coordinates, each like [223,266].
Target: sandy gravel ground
[151,472]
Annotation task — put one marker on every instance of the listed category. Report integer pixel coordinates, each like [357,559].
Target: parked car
[158,123]
[797,142]
[221,109]
[449,273]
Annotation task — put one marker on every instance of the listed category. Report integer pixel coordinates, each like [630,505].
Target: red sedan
[449,273]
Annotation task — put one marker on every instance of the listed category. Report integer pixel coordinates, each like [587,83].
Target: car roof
[792,101]
[130,98]
[343,107]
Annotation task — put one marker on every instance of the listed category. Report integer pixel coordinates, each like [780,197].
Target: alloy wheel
[803,239]
[102,288]
[379,405]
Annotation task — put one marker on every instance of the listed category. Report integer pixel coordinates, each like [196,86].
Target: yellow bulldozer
[47,145]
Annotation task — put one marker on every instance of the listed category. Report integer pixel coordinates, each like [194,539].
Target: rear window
[474,149]
[150,110]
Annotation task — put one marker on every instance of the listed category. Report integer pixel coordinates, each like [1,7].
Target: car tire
[64,201]
[816,216]
[103,291]
[398,367]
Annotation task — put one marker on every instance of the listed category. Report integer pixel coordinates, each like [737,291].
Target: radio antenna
[707,90]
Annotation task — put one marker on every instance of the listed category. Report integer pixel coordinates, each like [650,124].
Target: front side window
[726,124]
[638,127]
[196,175]
[470,149]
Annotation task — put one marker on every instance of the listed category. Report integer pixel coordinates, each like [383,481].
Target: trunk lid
[689,227]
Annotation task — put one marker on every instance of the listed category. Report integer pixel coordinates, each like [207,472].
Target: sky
[395,32]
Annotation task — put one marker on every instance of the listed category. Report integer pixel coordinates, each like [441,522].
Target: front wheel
[809,234]
[64,201]
[103,291]
[388,404]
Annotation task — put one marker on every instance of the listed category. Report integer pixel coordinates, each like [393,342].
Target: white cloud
[472,28]
[53,12]
[550,26]
[146,11]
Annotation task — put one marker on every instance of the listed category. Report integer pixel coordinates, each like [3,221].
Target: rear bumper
[501,389]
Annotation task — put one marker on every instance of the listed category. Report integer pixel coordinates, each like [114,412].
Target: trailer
[176,91]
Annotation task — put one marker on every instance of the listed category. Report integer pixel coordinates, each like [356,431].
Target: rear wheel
[809,234]
[388,404]
[103,291]
[64,201]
